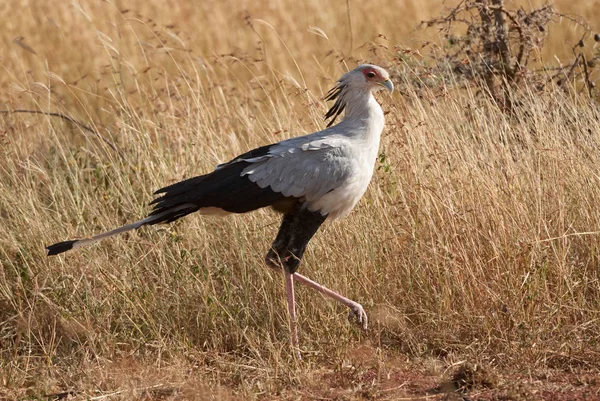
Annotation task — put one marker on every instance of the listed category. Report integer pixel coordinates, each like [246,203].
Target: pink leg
[357,313]
[289,291]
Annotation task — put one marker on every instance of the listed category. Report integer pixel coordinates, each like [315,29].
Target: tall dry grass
[477,239]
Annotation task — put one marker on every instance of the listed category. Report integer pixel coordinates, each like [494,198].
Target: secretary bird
[310,179]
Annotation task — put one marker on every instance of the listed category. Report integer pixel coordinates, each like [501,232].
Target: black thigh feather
[297,228]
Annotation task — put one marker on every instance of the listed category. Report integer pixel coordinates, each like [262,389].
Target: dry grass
[477,240]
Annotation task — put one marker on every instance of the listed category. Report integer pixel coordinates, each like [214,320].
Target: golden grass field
[477,243]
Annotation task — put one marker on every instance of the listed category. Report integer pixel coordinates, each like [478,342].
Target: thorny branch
[500,43]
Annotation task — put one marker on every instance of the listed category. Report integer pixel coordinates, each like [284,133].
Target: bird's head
[365,77]
[369,76]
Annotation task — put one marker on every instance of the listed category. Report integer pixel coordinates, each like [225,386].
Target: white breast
[361,153]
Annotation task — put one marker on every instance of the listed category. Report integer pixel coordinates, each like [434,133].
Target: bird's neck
[362,108]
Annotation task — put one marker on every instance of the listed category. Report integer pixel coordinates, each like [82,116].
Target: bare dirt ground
[365,373]
[392,378]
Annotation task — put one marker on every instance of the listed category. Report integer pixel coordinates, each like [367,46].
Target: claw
[357,315]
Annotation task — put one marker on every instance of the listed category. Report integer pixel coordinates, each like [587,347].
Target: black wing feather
[224,188]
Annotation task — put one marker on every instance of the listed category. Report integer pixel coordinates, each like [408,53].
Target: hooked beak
[388,85]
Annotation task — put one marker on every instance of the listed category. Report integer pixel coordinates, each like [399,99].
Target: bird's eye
[370,74]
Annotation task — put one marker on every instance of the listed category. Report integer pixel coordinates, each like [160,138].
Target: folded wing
[294,169]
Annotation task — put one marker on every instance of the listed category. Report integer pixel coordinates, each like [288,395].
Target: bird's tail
[64,246]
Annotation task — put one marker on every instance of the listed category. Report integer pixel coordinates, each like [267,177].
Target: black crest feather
[337,94]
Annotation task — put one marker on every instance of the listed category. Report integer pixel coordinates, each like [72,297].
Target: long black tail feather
[225,189]
[60,247]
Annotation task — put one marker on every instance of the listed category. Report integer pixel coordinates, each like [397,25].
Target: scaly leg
[289,291]
[357,312]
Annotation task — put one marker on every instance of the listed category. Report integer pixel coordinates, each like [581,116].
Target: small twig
[567,235]
[571,69]
[71,120]
[312,396]
[103,396]
[588,84]
[100,397]
[60,396]
[387,390]
[421,397]
[349,27]
[577,19]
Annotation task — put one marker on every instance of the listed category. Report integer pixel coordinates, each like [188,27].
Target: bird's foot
[357,315]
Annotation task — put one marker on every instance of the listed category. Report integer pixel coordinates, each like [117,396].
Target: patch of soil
[368,375]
